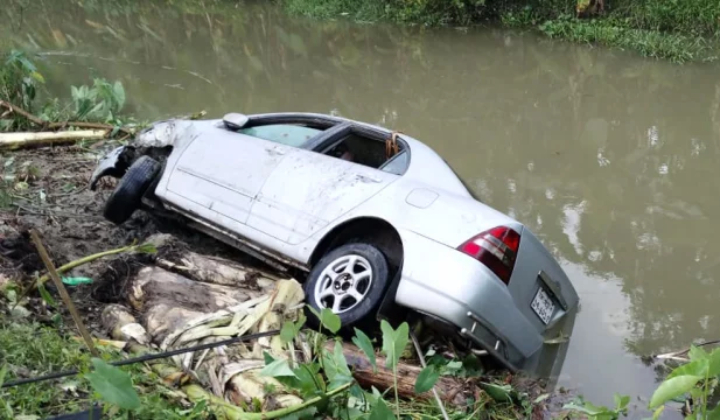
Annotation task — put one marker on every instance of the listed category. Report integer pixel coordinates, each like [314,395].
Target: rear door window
[287,134]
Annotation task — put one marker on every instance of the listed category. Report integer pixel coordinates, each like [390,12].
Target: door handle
[367,178]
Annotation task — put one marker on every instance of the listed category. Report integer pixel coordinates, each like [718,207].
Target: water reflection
[612,160]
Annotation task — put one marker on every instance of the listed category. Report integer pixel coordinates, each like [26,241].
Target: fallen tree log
[174,256]
[167,301]
[18,140]
[452,390]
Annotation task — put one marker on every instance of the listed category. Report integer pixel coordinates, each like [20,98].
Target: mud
[47,190]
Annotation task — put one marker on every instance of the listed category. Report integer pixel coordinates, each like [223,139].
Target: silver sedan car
[376,218]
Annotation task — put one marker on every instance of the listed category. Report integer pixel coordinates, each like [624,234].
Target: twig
[63,292]
[675,354]
[20,111]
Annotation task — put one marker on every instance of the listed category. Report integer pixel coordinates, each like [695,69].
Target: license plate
[543,306]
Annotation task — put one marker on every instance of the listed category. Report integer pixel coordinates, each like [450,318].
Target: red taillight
[497,248]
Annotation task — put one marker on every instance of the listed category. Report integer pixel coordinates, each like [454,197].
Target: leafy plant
[393,344]
[113,385]
[327,318]
[19,80]
[698,378]
[594,412]
[103,101]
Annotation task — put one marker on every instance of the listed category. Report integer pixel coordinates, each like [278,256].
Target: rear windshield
[291,135]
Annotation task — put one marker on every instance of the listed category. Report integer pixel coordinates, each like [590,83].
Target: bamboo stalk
[63,292]
[17,140]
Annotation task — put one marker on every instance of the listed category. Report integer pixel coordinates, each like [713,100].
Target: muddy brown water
[611,159]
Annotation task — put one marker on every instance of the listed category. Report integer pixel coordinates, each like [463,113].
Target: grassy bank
[677,30]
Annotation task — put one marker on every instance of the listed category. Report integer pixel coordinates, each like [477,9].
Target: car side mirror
[235,121]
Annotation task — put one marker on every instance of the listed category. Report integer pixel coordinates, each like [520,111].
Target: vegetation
[139,392]
[22,86]
[691,385]
[679,30]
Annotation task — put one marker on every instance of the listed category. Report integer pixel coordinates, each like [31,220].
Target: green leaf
[268,358]
[278,368]
[381,411]
[541,398]
[146,248]
[658,412]
[37,76]
[363,342]
[713,414]
[288,332]
[697,353]
[3,373]
[673,387]
[497,392]
[621,402]
[46,295]
[119,94]
[426,380]
[697,368]
[113,385]
[587,408]
[394,342]
[327,318]
[714,363]
[336,368]
[308,379]
[454,367]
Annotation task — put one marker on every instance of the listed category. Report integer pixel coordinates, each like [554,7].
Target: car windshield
[291,135]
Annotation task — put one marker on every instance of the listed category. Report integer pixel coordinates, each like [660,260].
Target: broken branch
[63,292]
[22,112]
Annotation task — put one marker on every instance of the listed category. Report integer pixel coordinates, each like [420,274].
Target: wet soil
[47,190]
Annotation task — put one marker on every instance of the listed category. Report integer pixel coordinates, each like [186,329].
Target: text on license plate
[543,306]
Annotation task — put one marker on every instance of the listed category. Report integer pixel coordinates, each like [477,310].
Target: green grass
[31,349]
[676,30]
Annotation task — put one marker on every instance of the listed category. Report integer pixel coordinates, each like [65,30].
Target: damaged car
[374,217]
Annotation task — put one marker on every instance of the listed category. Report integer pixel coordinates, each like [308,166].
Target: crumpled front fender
[114,164]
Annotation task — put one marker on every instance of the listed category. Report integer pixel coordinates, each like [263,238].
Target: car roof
[425,166]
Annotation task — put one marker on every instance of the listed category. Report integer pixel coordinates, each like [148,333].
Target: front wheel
[127,196]
[351,281]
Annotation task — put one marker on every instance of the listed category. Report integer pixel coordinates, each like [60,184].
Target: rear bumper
[442,282]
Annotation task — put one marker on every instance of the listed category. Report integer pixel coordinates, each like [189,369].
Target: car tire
[127,196]
[359,289]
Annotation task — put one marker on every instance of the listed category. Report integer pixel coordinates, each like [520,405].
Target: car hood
[171,132]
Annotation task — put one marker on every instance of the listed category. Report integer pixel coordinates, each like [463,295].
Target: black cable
[145,358]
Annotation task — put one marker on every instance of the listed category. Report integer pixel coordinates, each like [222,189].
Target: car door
[309,190]
[222,171]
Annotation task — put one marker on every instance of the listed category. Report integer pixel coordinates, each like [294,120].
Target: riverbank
[679,31]
[45,190]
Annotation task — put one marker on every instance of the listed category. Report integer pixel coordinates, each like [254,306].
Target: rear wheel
[351,280]
[127,196]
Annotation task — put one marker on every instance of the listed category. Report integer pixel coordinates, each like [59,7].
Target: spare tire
[127,196]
